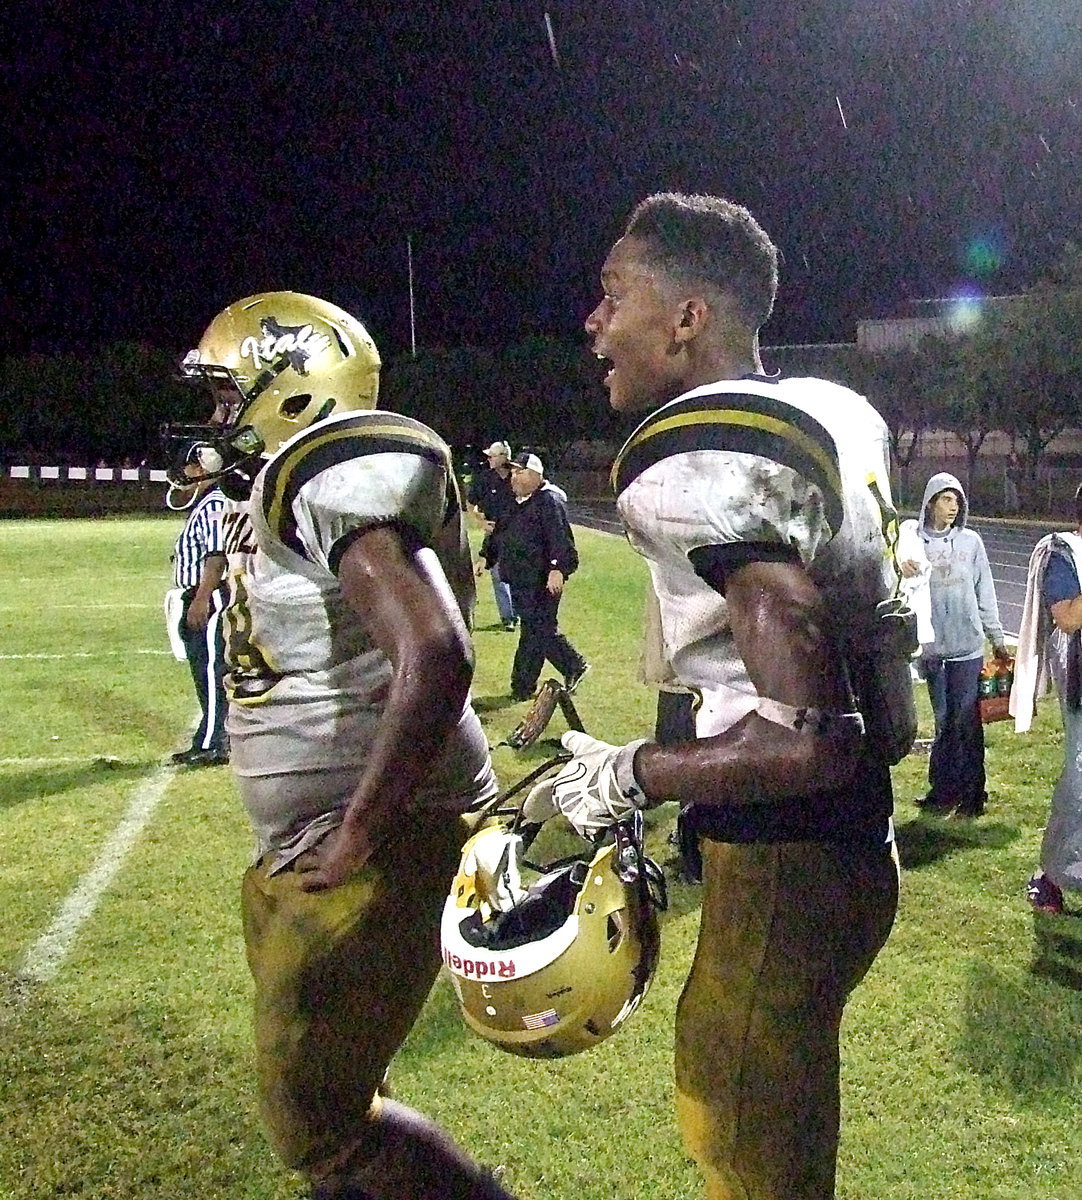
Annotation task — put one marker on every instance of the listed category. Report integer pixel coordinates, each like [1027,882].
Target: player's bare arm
[779,629]
[400,593]
[210,579]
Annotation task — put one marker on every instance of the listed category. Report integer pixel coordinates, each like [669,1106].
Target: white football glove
[596,789]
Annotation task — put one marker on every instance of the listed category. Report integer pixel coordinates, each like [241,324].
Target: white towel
[174,613]
[917,589]
[1031,676]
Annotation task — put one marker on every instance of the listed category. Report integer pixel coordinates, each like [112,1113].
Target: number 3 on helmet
[556,967]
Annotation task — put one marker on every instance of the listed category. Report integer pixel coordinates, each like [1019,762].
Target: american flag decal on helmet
[540,1020]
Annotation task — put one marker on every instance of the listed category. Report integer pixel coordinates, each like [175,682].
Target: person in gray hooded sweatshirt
[964,613]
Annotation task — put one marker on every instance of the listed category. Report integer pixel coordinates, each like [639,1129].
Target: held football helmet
[275,363]
[555,967]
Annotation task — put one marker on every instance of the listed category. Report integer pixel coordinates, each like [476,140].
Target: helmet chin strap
[209,461]
[174,490]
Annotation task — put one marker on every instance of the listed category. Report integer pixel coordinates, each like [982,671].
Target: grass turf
[128,1073]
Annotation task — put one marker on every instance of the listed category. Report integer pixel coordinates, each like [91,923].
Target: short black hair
[708,240]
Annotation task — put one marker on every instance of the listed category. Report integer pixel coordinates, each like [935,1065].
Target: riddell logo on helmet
[298,343]
[471,968]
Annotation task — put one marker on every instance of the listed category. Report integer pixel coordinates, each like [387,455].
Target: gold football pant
[340,977]
[787,931]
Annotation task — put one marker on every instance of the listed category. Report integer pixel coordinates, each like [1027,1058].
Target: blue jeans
[502,592]
[956,767]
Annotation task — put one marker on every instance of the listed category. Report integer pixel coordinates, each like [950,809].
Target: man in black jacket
[536,556]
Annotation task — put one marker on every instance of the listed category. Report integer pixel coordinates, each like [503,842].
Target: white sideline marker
[46,955]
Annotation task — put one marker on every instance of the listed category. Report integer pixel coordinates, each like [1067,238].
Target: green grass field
[125,1069]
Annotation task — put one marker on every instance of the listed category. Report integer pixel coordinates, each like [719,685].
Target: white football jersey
[798,466]
[307,684]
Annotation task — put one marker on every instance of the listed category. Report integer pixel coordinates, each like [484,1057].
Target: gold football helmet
[556,967]
[276,363]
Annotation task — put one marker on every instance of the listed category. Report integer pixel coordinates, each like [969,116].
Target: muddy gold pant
[340,977]
[787,931]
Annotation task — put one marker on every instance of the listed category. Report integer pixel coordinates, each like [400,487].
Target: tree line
[1018,371]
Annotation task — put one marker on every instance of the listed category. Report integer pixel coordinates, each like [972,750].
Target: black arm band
[406,532]
[713,563]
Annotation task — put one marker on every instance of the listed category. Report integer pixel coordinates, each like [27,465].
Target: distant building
[945,318]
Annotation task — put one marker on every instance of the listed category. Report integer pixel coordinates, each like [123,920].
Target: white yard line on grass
[18,608]
[83,654]
[45,956]
[62,760]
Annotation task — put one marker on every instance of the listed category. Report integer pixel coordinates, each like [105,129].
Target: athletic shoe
[1044,896]
[934,807]
[510,626]
[202,758]
[573,680]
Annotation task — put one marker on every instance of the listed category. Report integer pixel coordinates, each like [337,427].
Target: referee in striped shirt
[199,565]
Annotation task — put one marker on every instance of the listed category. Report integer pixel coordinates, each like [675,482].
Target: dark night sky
[170,158]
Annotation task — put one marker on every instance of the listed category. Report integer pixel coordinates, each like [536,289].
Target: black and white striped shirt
[201,535]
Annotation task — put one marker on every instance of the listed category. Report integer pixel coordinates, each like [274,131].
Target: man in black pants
[198,570]
[536,556]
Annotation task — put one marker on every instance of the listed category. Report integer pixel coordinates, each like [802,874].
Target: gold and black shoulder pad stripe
[334,442]
[739,422]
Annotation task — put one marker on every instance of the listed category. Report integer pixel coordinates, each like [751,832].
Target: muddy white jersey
[307,684]
[749,469]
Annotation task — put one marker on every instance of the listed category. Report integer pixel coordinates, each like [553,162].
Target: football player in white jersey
[762,508]
[356,749]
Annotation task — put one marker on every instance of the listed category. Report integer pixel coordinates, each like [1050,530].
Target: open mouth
[607,379]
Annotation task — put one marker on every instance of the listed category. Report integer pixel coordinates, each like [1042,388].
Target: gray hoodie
[964,608]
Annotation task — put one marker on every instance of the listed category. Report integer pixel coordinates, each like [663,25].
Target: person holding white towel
[964,613]
[1050,644]
[916,574]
